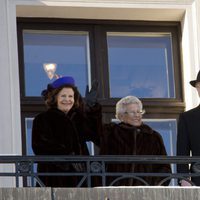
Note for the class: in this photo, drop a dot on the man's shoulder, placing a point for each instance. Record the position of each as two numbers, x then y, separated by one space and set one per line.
190 112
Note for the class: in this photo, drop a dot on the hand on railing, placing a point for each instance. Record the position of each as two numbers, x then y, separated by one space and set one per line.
185 183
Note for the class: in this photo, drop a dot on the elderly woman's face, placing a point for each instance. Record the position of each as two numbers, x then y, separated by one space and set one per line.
133 115
65 99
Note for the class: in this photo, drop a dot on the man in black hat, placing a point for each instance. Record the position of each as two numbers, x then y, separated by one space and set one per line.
188 138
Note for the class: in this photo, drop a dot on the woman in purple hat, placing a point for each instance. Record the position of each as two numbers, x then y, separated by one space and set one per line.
64 128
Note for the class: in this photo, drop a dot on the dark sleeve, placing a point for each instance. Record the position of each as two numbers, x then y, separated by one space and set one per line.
90 124
183 145
105 141
43 140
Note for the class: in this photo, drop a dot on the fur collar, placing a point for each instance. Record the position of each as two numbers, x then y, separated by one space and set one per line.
143 128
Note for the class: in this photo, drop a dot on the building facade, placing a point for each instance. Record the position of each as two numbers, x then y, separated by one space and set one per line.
174 19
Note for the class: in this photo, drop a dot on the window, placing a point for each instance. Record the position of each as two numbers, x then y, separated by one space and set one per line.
134 59
69 50
167 129
127 58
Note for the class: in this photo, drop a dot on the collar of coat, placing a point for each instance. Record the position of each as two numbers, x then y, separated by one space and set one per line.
143 128
73 111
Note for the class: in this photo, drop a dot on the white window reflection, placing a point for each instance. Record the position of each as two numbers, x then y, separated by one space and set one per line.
140 64
69 50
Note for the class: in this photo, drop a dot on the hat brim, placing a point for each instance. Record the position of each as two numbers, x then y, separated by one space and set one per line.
193 83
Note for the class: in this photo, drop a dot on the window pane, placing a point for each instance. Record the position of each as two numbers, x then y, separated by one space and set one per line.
29 151
141 65
167 128
29 123
69 50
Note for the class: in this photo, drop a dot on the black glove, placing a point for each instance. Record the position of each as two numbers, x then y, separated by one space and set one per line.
91 96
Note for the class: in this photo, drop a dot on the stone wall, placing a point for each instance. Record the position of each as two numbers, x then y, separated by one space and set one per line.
106 193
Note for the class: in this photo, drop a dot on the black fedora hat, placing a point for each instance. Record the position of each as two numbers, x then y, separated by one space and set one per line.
193 83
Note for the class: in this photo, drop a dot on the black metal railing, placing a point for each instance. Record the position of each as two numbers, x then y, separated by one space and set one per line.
24 167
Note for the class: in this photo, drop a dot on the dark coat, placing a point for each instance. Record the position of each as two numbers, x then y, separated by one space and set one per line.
124 139
57 133
188 138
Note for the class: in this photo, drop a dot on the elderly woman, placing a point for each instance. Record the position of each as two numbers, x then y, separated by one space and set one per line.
132 137
64 128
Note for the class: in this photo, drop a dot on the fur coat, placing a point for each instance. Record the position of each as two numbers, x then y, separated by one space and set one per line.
57 133
124 139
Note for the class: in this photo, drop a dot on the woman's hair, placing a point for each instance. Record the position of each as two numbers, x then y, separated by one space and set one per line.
121 106
51 100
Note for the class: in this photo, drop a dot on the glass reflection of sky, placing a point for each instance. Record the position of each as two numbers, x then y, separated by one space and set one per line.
140 66
68 51
167 129
29 122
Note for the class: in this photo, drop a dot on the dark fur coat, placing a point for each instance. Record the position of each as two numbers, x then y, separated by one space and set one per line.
124 139
57 133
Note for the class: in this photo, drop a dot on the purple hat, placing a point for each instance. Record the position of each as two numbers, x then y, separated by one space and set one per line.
193 83
65 80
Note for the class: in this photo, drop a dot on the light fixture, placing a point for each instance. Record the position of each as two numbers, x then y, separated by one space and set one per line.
50 69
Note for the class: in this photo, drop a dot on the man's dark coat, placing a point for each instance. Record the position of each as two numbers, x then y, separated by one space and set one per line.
188 138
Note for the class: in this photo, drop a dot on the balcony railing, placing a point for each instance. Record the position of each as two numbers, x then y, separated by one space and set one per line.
23 168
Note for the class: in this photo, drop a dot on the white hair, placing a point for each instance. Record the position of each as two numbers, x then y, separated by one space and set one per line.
122 104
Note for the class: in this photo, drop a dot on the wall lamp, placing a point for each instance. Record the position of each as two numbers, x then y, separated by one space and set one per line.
50 69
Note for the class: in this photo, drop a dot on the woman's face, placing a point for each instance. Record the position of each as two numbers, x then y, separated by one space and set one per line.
133 115
65 99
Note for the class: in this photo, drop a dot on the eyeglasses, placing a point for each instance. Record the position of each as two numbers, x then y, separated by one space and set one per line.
132 114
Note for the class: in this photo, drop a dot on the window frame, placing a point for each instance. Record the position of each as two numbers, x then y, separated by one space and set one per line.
163 108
